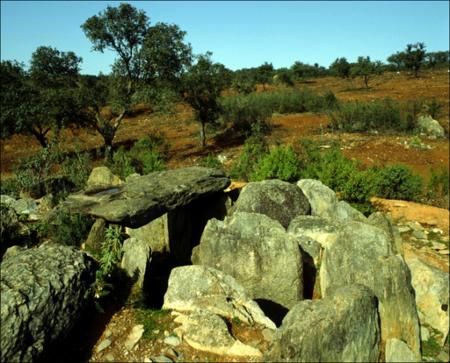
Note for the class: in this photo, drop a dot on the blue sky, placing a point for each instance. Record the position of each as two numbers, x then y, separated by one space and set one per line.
239 33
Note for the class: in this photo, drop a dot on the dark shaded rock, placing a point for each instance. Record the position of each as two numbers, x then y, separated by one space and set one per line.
341 328
258 252
277 199
96 236
44 291
147 197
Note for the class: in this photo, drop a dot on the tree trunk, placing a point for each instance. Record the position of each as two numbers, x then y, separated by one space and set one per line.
40 136
202 134
366 82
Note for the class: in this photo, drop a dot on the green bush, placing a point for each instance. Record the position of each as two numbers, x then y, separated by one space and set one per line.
368 116
77 169
210 161
254 149
437 190
67 228
146 156
398 182
281 163
122 163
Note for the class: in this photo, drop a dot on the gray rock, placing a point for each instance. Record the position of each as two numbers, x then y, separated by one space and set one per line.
424 333
147 197
431 291
193 288
324 202
398 351
134 336
277 199
103 345
6 200
96 236
208 332
155 234
136 259
44 291
258 253
172 340
419 234
343 327
101 177
430 126
383 221
323 231
363 254
161 359
25 206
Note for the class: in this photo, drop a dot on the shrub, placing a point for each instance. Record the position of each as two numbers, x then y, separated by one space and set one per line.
437 191
67 228
254 149
146 157
368 116
210 161
122 163
281 163
398 182
77 169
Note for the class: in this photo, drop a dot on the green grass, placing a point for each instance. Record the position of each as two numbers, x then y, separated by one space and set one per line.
152 319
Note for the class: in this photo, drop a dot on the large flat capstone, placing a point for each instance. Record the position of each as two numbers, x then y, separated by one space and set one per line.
144 198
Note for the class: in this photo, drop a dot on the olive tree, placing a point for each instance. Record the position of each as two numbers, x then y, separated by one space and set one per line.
202 86
42 99
366 69
414 57
341 67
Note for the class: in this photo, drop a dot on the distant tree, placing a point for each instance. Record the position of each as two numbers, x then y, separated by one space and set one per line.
414 57
244 80
43 99
398 60
202 86
302 70
284 76
264 73
341 67
366 69
437 59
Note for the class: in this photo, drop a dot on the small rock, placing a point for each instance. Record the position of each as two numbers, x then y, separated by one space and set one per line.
161 359
419 234
172 340
103 345
437 231
414 225
147 360
107 333
438 246
134 336
171 353
156 331
444 252
404 229
424 333
443 356
110 357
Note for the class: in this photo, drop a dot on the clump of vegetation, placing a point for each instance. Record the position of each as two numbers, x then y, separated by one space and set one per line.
398 182
66 228
437 190
211 161
154 321
77 168
280 163
109 257
254 149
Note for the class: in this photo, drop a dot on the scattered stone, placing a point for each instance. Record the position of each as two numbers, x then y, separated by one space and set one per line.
172 340
161 359
415 226
103 345
437 231
424 333
110 357
432 294
102 177
207 332
438 246
404 229
398 351
258 252
44 292
25 206
343 327
148 197
444 252
107 333
192 288
419 234
134 336
279 200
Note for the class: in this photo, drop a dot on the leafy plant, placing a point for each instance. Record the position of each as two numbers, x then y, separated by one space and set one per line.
122 163
146 157
398 182
281 163
153 320
254 149
210 161
77 168
67 228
